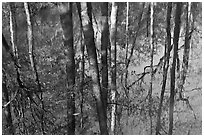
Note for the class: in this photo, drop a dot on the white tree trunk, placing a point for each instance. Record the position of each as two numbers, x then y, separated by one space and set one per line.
113 84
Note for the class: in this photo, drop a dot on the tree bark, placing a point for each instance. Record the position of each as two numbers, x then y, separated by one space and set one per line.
126 60
126 36
29 34
186 51
67 26
175 55
82 65
165 66
104 53
13 28
82 80
151 64
86 14
33 63
113 31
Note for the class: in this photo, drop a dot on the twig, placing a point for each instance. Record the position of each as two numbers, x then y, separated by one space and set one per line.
188 105
10 100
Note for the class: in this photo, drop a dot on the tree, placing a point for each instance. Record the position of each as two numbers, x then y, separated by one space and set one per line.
127 62
113 31
86 15
6 95
126 31
186 51
67 26
126 57
165 66
152 59
104 55
175 56
82 49
13 28
105 71
29 34
33 63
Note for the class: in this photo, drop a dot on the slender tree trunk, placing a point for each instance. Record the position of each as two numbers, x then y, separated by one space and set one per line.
33 63
13 28
126 36
126 61
136 35
82 80
86 14
13 31
82 65
104 51
186 51
151 64
131 53
175 55
67 26
165 67
29 33
113 31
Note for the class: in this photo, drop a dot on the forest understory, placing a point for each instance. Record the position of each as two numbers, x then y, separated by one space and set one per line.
109 68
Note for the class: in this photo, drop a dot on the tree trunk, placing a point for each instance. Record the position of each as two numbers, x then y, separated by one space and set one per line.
104 51
126 61
165 67
82 66
67 26
113 30
126 89
126 39
82 80
13 31
175 56
33 63
29 34
151 64
186 51
86 14
13 28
